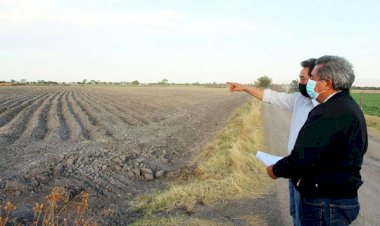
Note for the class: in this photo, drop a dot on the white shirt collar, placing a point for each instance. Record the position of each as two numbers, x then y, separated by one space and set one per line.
332 95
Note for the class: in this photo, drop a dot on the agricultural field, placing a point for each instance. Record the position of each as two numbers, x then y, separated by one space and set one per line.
369 101
114 143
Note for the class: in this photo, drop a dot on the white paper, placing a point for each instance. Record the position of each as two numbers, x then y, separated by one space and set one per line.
267 159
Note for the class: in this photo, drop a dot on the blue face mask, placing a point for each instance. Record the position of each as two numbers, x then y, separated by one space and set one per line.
310 89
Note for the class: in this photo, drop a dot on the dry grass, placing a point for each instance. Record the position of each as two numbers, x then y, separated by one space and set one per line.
56 210
7 210
6 84
179 221
188 221
225 170
373 122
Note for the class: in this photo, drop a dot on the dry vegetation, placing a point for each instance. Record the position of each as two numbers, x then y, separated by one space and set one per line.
225 170
58 209
113 143
373 121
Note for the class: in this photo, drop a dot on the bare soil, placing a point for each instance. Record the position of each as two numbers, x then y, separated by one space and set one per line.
114 143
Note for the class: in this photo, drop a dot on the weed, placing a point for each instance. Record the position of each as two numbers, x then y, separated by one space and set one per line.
56 210
7 209
225 170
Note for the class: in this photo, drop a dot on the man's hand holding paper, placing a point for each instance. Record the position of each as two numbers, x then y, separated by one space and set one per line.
267 159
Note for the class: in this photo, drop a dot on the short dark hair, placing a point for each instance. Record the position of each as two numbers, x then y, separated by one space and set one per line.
310 63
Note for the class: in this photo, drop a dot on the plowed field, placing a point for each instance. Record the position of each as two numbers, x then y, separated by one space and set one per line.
114 143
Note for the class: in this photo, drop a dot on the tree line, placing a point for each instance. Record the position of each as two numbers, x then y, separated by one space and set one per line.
261 82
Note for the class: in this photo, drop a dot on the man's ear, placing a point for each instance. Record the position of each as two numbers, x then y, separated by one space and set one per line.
330 84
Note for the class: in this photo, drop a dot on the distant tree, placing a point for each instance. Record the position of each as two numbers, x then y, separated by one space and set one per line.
135 83
23 81
13 81
165 81
293 86
263 82
51 83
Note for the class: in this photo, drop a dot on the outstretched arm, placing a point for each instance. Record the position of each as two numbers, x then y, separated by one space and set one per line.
258 93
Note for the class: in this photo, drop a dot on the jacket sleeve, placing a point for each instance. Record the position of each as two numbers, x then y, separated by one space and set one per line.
313 142
284 100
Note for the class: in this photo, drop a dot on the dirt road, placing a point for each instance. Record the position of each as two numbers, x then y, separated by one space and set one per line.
277 124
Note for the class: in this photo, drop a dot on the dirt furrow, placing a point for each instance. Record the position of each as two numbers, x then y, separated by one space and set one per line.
124 116
20 125
85 111
104 121
136 118
146 112
7 101
76 126
27 135
72 108
112 121
52 121
130 160
40 125
63 129
21 100
100 129
13 112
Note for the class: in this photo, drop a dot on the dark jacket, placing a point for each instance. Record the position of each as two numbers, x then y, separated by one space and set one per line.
328 154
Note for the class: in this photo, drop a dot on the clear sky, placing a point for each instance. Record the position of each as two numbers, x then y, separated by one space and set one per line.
184 40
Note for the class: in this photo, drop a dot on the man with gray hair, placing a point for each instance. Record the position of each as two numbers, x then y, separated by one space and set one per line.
325 162
299 104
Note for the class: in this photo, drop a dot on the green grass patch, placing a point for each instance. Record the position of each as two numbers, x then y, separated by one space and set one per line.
369 102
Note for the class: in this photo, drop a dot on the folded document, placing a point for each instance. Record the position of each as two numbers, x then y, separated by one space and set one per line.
267 159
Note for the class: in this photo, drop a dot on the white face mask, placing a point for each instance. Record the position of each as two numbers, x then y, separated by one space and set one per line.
310 89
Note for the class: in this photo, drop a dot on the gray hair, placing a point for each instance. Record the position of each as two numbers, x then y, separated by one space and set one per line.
338 70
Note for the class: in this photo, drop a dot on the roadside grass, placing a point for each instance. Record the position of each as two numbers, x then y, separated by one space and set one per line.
188 221
161 221
225 170
369 102
373 121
